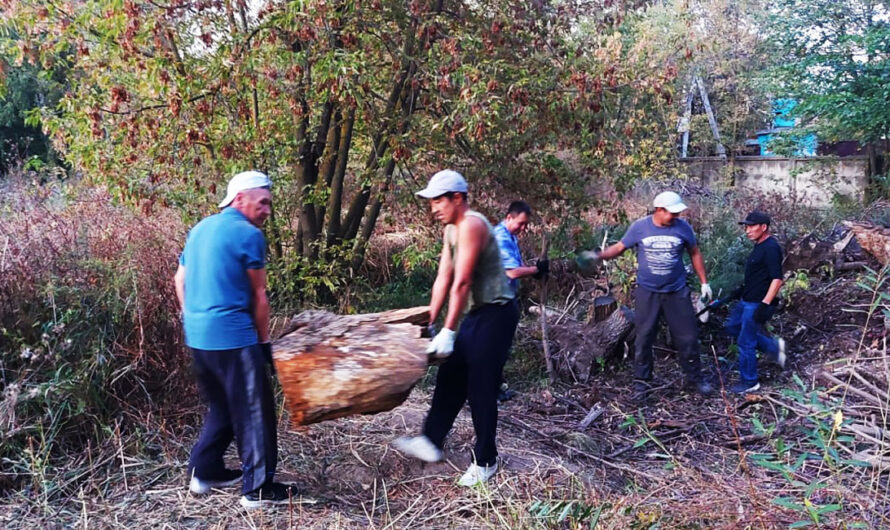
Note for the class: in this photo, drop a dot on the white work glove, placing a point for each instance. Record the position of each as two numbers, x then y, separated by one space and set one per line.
706 292
442 344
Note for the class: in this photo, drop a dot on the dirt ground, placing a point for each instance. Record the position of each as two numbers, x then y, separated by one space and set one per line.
681 462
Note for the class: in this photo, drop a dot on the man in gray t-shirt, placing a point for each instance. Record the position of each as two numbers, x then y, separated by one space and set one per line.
660 240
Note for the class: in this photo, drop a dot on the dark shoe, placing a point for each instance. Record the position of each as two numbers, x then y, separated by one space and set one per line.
505 393
228 477
702 388
270 494
641 391
744 388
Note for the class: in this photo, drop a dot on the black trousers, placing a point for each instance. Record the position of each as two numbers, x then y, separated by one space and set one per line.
473 372
676 307
238 393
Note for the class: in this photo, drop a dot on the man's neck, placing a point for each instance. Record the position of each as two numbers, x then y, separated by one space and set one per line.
461 214
660 225
764 237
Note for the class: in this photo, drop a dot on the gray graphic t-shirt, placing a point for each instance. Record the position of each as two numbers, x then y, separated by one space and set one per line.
660 253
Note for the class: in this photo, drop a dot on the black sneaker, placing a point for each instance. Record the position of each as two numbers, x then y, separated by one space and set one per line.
744 388
228 477
270 494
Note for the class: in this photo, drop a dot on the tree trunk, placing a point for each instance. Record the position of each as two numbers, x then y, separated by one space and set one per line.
332 366
335 200
577 346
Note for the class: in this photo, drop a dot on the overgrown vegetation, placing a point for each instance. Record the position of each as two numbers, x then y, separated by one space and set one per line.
89 327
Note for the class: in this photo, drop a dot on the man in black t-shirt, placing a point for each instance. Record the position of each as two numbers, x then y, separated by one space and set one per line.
757 303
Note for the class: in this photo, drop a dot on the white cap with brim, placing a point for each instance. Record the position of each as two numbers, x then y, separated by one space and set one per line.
670 201
244 181
445 181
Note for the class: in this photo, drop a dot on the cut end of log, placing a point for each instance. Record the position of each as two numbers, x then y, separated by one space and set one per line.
332 366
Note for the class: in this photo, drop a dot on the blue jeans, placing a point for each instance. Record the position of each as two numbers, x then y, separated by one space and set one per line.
750 337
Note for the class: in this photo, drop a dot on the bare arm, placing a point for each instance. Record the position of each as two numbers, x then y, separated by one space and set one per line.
179 282
773 291
259 303
443 280
521 272
472 235
698 264
613 251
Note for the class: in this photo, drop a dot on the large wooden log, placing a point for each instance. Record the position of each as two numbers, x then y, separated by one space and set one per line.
332 366
873 238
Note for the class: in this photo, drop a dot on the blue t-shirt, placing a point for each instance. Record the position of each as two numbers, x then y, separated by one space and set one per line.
660 253
218 252
508 246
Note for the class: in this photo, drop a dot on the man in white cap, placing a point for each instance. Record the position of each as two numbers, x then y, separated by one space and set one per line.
221 286
660 240
470 276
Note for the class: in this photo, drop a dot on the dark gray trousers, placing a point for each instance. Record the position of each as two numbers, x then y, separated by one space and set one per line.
236 387
676 307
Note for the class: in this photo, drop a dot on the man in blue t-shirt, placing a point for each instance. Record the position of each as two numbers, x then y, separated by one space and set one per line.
757 303
221 286
507 233
660 241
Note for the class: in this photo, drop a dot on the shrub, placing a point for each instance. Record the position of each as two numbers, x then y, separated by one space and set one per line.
89 326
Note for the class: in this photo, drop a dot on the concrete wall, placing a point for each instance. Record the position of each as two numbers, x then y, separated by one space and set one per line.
812 180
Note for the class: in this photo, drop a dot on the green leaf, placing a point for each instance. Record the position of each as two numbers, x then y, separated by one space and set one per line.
565 511
800 524
788 502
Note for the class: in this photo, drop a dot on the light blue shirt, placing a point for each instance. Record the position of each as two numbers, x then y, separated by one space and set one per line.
218 253
511 258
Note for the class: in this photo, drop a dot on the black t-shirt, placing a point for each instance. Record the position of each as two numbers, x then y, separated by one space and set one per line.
763 266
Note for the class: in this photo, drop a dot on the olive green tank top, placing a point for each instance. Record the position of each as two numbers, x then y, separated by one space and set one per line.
490 283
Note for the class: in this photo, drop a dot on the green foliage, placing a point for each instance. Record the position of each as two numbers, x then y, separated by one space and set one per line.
832 58
822 444
571 512
22 89
342 101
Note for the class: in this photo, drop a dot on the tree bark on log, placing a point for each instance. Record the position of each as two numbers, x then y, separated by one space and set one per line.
873 238
579 345
332 366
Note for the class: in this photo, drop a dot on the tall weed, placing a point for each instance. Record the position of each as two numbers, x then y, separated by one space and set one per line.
89 327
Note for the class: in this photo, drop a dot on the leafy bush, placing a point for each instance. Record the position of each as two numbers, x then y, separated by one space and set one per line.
89 325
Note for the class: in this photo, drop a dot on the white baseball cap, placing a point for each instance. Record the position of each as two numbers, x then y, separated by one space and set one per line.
670 201
443 182
244 181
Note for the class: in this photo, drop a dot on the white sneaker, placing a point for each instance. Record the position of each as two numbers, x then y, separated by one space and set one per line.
780 359
477 474
420 447
229 477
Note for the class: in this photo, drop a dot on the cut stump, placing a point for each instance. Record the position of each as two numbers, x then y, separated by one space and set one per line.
579 346
873 238
332 366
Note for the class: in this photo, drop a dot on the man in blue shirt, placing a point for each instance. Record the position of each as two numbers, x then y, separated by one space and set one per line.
506 233
660 240
221 286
